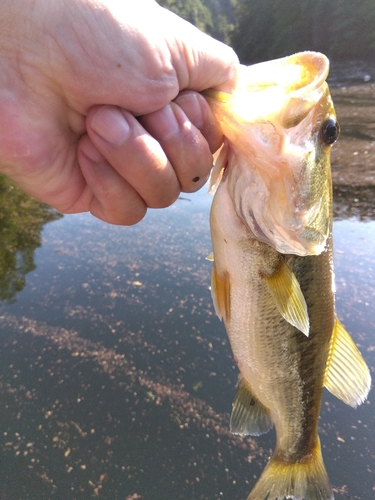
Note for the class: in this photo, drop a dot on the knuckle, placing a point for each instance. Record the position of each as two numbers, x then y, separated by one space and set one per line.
166 199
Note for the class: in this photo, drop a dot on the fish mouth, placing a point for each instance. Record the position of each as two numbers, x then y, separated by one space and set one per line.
289 87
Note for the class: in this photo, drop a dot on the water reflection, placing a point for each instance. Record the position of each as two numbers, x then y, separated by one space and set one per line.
122 399
21 222
117 378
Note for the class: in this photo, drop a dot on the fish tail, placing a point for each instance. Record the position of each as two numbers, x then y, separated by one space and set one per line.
305 480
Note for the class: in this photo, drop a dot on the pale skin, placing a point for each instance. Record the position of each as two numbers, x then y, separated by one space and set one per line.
100 104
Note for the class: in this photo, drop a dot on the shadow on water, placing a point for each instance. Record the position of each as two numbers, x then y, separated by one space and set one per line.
116 376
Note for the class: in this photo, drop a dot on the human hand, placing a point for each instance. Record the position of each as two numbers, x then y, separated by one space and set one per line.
94 112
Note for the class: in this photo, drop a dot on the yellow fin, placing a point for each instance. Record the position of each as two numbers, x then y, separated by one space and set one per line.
210 257
306 479
218 170
347 375
220 290
249 416
288 296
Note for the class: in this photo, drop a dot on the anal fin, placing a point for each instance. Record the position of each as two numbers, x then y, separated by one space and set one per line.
347 375
249 416
288 297
220 290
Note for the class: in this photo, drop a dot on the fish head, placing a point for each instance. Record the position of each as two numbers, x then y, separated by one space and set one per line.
279 124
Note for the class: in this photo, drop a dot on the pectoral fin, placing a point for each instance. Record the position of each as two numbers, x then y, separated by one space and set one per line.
210 257
347 375
249 416
220 290
288 296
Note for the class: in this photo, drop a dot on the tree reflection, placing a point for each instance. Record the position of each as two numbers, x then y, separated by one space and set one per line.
21 221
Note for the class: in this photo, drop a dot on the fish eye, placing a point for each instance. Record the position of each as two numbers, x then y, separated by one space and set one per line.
330 131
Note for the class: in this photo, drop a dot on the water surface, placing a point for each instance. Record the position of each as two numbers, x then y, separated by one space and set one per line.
116 376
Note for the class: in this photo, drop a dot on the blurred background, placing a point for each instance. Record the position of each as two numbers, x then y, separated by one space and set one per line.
267 29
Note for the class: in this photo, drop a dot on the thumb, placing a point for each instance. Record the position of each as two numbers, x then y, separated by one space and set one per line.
200 61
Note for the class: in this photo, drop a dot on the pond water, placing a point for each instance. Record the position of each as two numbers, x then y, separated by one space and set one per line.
117 378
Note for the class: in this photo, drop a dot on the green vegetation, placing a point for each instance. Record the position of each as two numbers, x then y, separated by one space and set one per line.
21 221
193 11
274 28
266 29
214 17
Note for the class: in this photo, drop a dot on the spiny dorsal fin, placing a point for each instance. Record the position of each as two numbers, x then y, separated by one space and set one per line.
347 375
249 416
220 291
288 296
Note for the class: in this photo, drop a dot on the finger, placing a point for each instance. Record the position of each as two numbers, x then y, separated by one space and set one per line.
134 154
201 116
113 199
183 143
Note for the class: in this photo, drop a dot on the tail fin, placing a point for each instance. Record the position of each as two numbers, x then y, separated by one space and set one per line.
307 480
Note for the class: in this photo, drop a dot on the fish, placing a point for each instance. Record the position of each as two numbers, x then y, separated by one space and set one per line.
272 273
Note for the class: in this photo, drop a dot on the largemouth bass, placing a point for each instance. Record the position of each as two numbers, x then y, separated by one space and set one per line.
272 278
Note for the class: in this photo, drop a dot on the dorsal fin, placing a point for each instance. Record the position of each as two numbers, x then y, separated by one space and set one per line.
347 375
249 416
288 296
